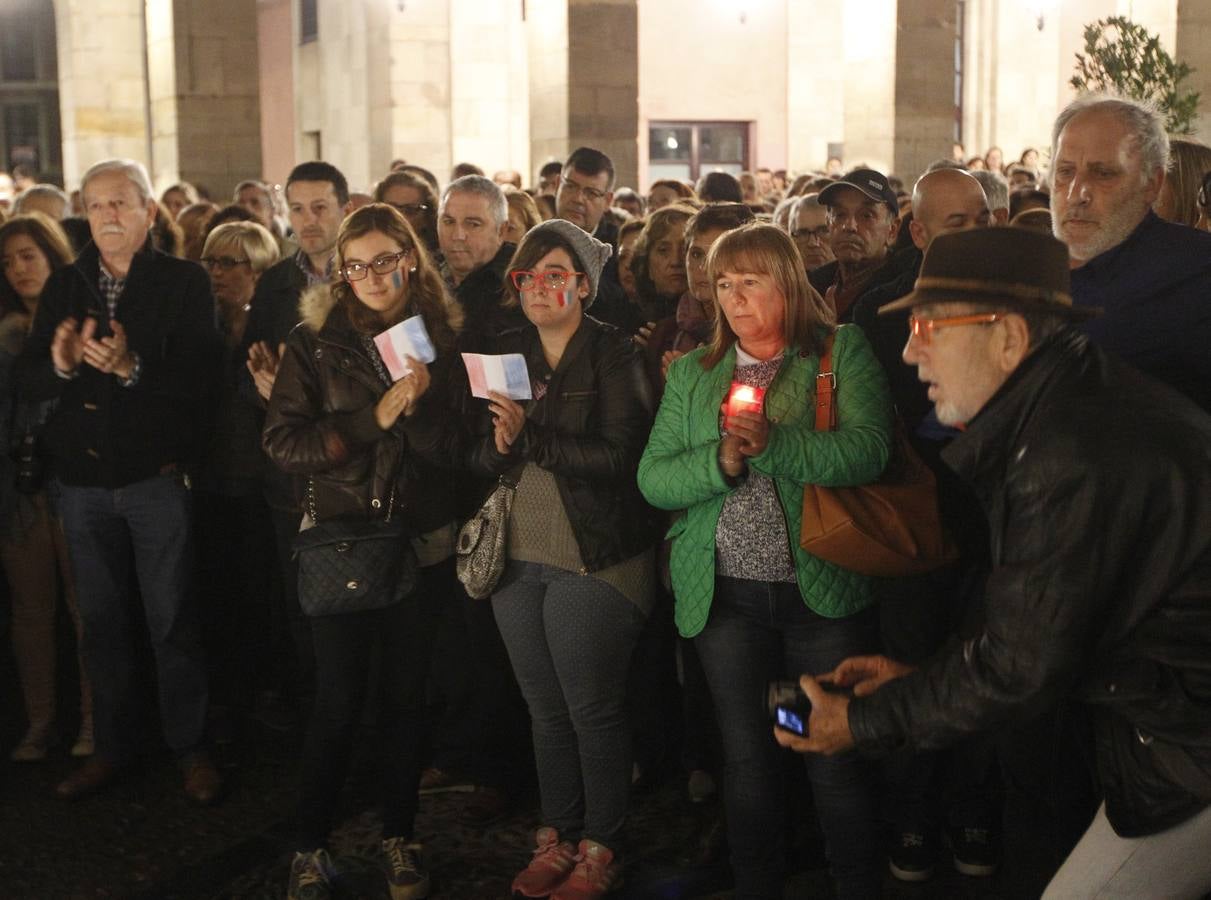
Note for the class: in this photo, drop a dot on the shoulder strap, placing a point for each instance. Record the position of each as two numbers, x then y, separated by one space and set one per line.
826 386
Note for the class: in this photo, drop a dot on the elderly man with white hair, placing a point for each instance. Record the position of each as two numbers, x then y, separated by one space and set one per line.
1152 278
125 340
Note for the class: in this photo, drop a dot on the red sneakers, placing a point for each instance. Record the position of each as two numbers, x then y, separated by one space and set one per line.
595 875
549 867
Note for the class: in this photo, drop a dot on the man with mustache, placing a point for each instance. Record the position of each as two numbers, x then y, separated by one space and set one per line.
1152 278
125 340
863 221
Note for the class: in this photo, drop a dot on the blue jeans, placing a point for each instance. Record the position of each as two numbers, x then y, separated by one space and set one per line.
759 632
150 522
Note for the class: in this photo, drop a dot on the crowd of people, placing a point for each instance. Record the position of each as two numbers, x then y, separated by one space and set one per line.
196 397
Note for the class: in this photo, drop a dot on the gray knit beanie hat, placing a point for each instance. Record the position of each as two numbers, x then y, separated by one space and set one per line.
591 252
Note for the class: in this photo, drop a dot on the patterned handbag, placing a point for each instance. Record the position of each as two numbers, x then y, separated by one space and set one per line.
480 554
352 565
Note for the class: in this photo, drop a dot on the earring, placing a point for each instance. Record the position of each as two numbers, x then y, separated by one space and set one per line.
413 269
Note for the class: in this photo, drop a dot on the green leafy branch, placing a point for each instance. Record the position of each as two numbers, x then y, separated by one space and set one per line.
1125 58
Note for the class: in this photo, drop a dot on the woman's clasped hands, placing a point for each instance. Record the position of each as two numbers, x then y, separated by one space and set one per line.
747 435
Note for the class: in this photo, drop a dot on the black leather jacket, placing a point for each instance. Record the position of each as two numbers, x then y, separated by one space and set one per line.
589 430
103 434
321 426
1096 481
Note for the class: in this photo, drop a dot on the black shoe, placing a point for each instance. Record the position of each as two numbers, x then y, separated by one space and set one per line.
913 855
975 850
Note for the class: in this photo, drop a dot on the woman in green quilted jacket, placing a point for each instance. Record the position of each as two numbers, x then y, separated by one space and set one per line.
758 607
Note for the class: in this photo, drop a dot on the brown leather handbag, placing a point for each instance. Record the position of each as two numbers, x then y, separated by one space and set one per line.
888 528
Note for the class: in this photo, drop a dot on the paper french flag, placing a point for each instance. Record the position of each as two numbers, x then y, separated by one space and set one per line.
407 338
505 374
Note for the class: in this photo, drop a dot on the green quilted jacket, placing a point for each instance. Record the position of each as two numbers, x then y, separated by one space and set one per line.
679 469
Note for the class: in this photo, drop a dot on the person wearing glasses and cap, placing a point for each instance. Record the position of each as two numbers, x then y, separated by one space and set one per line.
578 584
1096 480
338 420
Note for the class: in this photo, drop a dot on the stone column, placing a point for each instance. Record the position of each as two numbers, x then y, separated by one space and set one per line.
1194 49
925 85
275 60
584 80
815 83
419 83
103 107
204 90
868 40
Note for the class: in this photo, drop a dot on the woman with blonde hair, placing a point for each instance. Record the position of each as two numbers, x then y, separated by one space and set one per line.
338 420
523 215
1189 163
232 531
176 197
758 607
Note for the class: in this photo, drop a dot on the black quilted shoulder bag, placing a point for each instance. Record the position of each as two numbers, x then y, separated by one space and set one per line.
353 565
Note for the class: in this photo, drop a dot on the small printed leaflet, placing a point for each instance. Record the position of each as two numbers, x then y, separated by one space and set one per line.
506 375
408 338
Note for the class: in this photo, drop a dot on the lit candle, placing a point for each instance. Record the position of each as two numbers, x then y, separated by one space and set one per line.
742 397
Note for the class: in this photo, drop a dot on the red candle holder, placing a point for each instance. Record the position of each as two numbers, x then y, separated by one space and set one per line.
742 398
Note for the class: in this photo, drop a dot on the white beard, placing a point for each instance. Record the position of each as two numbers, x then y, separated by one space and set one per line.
1114 229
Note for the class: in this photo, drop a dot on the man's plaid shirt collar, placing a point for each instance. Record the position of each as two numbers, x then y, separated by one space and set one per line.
304 263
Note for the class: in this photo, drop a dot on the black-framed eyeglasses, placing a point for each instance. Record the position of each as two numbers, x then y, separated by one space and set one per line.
552 279
222 263
411 209
576 190
382 265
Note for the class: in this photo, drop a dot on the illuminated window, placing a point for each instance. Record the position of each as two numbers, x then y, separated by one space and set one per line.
687 150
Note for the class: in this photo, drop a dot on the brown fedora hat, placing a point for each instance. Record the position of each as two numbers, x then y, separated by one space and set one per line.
1003 266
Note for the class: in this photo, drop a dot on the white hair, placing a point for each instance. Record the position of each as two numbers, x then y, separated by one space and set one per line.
498 206
996 188
134 171
1141 118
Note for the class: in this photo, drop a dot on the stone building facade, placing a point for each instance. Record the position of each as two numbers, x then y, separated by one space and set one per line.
214 91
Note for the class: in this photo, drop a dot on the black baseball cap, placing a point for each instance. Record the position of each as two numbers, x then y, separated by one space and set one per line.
871 183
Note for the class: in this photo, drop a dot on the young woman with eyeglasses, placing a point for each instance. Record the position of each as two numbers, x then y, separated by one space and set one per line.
338 420
578 584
